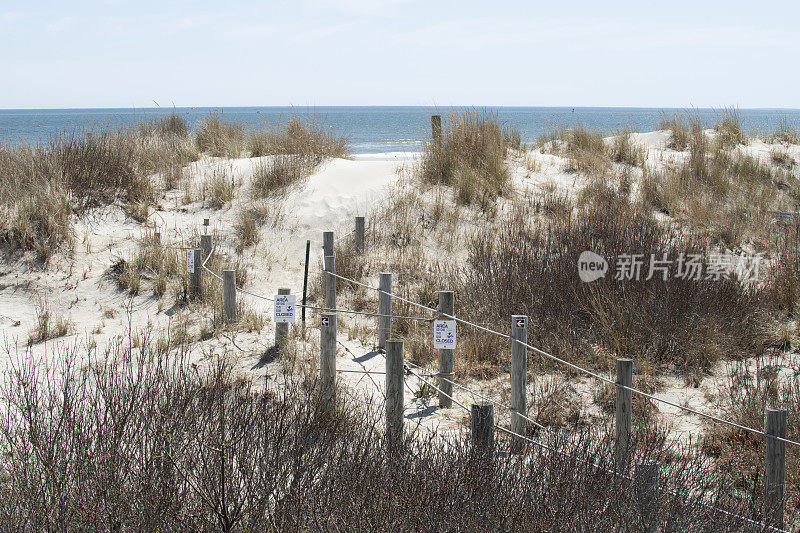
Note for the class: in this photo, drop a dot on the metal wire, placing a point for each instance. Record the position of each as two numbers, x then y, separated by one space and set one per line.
578 368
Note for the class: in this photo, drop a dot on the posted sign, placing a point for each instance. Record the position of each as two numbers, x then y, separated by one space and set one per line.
444 334
190 261
285 308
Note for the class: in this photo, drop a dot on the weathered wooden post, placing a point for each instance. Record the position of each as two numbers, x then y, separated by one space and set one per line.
436 128
447 306
327 363
157 238
281 328
519 379
360 235
482 428
775 467
206 244
394 390
384 308
646 482
195 270
229 295
329 281
624 410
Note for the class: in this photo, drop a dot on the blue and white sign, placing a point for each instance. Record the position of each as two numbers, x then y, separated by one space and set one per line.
444 334
285 307
190 261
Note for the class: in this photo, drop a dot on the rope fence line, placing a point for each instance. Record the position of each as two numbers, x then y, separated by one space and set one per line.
481 396
576 367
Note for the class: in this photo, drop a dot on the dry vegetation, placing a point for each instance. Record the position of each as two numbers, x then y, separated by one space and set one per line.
139 441
471 157
41 186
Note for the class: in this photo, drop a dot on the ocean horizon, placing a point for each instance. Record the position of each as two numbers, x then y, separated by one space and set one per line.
378 129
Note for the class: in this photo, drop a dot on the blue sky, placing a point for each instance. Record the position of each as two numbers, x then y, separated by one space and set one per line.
119 53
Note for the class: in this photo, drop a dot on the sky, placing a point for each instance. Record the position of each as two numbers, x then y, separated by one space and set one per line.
119 53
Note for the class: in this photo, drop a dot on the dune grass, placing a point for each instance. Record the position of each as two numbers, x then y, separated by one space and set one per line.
471 157
41 186
220 138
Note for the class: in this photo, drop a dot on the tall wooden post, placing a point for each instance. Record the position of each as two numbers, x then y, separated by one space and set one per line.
384 308
447 306
646 483
775 467
482 428
360 235
205 245
436 128
196 275
519 379
281 328
229 295
394 390
305 282
624 410
327 363
329 281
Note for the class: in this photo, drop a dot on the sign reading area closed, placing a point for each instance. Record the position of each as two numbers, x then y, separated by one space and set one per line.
285 307
444 334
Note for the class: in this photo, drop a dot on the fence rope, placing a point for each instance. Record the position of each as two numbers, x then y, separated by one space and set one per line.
462 387
576 367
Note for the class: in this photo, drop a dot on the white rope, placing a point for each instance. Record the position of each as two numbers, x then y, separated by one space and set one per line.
579 369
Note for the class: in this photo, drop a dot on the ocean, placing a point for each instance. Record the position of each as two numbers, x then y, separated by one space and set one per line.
376 129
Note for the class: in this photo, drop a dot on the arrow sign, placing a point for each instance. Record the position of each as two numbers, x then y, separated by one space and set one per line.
520 322
325 321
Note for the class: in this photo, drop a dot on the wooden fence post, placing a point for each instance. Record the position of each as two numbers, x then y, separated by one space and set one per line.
329 281
623 412
281 328
394 390
519 379
205 245
436 128
775 467
360 235
482 428
229 295
196 275
157 238
384 309
447 306
327 366
646 483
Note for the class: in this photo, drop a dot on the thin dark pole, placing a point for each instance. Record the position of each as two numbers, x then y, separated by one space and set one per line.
305 282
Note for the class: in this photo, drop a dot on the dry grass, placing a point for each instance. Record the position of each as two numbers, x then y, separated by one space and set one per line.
49 325
471 157
727 195
220 138
246 229
219 188
729 129
309 139
41 186
678 127
275 176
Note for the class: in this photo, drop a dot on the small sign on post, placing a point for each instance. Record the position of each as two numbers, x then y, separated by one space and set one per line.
190 261
520 321
444 334
285 305
325 321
